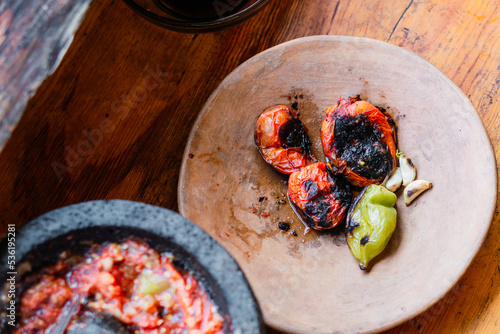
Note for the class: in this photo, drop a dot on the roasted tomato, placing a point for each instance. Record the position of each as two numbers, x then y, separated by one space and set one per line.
360 141
282 140
321 198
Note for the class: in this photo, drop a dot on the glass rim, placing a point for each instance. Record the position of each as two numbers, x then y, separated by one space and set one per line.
187 25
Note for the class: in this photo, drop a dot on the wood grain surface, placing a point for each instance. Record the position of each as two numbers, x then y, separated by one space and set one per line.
113 120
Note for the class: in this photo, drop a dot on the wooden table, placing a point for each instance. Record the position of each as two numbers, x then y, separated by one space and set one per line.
113 120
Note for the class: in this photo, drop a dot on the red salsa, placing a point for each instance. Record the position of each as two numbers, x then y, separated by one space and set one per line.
129 281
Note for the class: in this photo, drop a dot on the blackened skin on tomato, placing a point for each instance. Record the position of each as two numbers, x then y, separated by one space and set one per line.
318 207
342 189
318 204
360 146
293 134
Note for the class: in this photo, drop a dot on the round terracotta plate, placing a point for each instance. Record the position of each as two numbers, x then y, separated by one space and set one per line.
311 283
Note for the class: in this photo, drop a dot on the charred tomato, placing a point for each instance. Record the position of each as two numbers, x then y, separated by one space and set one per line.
282 140
359 139
321 197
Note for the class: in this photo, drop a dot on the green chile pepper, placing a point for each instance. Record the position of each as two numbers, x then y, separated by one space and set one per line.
370 223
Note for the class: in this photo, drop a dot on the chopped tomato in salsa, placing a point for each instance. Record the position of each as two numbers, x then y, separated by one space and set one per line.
130 281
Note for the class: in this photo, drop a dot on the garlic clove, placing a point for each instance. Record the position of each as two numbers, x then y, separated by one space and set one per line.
414 189
408 170
395 180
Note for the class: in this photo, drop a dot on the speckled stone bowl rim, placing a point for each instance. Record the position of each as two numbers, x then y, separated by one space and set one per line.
138 219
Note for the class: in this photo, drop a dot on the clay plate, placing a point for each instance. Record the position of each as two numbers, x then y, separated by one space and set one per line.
311 283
